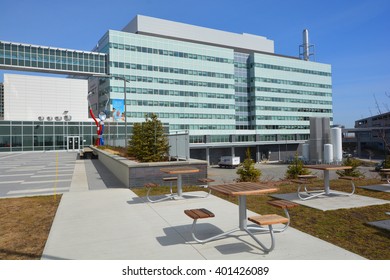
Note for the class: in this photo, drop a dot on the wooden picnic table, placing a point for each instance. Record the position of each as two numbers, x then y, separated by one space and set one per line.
242 190
179 171
326 168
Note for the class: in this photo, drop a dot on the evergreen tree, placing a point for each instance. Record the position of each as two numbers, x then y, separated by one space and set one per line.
247 170
296 168
149 142
354 172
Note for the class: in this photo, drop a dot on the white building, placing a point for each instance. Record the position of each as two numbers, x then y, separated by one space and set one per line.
31 98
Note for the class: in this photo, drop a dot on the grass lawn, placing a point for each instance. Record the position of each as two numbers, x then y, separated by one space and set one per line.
25 222
345 228
24 226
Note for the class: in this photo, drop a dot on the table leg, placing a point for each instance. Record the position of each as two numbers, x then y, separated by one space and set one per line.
242 216
179 185
326 182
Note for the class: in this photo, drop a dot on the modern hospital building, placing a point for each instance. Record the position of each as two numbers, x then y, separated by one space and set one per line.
228 91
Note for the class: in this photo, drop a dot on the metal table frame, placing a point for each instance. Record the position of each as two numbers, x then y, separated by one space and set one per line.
242 190
327 190
179 171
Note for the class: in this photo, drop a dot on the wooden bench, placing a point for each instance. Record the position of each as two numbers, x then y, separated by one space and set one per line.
205 185
201 213
303 181
170 180
385 176
196 214
299 181
285 205
151 186
268 220
205 180
350 178
307 177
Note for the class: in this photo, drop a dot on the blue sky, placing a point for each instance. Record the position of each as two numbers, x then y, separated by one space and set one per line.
352 36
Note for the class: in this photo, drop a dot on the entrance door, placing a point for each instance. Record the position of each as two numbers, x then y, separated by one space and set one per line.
73 143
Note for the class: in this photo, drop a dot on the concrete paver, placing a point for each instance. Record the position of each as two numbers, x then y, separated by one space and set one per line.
333 201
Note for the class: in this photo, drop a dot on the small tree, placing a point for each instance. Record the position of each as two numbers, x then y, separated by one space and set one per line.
386 163
149 142
296 168
247 170
353 172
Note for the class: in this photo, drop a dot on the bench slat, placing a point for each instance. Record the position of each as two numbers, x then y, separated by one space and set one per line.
307 176
299 181
205 180
201 213
150 185
282 203
270 219
168 179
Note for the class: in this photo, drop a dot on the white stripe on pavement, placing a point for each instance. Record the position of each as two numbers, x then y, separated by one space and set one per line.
37 190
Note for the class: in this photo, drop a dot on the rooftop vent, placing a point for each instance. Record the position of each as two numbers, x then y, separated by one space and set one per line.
306 50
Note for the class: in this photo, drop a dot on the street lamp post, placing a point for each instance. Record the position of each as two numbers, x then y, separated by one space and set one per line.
125 98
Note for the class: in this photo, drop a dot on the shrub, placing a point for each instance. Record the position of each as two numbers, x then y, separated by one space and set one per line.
296 168
386 163
247 170
351 172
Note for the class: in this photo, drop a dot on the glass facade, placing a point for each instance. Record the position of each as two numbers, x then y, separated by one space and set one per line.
218 94
242 98
285 93
46 59
46 136
190 86
1 101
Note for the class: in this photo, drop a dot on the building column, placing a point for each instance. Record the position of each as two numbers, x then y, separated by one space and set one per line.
358 145
258 155
208 156
233 152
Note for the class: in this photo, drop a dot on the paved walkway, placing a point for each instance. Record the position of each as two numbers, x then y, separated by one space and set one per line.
106 221
36 173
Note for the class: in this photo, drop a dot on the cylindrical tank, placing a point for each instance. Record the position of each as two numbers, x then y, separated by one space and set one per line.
328 153
315 141
337 143
326 130
305 152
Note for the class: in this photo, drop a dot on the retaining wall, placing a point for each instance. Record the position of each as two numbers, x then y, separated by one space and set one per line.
134 174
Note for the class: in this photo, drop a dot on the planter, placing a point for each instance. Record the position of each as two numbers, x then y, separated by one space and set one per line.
134 174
